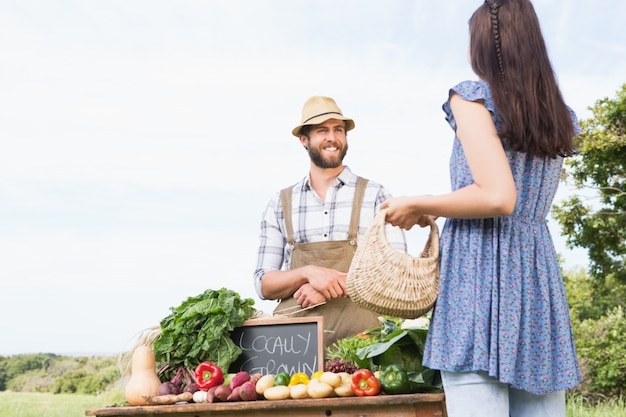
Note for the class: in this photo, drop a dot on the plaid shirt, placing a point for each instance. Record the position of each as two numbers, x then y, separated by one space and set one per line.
317 221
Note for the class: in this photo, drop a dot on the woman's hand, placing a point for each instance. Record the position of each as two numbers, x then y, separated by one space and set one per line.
404 212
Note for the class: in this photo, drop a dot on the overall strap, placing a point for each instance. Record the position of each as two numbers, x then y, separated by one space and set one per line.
353 230
285 199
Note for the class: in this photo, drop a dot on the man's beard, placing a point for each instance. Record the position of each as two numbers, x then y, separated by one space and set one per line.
316 157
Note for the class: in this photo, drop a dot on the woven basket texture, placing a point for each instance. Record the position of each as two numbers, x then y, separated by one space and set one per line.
393 283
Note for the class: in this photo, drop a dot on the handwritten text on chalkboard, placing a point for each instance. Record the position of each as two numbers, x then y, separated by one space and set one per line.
271 346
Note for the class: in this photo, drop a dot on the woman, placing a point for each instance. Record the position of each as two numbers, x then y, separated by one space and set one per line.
501 333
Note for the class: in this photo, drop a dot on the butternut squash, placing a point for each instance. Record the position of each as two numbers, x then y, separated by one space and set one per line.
144 381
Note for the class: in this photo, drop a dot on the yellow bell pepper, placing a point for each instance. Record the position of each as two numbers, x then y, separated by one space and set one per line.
317 375
299 378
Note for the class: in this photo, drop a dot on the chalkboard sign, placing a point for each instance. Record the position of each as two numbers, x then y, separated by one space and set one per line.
275 345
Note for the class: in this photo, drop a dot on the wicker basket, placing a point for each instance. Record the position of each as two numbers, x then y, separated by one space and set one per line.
393 283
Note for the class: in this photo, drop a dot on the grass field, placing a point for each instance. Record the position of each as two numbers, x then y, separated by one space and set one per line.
615 407
18 404
29 404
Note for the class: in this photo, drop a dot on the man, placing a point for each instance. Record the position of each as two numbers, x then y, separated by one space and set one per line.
310 230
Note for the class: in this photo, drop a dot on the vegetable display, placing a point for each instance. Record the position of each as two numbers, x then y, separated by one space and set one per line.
194 350
243 386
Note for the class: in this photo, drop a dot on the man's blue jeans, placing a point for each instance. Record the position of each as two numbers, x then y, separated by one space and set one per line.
479 395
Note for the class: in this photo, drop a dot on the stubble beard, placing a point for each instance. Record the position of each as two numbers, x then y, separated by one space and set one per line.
318 160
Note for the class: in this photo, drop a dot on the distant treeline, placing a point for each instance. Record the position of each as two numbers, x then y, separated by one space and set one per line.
48 372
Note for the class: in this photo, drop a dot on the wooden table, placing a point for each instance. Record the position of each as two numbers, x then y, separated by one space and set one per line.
406 405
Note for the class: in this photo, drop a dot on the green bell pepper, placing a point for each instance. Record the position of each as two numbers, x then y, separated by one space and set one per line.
282 378
395 380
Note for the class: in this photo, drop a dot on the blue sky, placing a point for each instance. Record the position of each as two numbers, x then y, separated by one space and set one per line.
142 139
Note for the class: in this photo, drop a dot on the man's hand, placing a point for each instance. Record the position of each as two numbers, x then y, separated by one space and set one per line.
307 296
328 282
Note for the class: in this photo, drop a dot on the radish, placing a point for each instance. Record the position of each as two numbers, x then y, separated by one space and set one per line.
247 391
238 379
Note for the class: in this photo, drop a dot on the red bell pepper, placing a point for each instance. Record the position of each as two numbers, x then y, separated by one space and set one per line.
208 375
365 383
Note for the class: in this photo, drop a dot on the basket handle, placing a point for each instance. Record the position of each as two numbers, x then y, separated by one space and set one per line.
432 244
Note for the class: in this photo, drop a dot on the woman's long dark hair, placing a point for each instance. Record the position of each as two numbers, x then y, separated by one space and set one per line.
507 50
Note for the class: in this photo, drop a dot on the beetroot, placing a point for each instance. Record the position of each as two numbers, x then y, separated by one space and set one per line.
167 388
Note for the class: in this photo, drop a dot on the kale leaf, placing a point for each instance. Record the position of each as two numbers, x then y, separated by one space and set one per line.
199 329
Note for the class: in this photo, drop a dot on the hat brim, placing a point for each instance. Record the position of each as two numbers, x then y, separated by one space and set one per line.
321 119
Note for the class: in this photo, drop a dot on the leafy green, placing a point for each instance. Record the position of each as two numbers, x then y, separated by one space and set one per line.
347 347
199 329
404 347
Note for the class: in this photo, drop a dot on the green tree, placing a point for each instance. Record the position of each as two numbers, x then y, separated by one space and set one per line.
3 373
58 374
600 333
601 346
587 300
600 167
18 364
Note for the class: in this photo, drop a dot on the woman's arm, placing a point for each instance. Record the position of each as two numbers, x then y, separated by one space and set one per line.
493 192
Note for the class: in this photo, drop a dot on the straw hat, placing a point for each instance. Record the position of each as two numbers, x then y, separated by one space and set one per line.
317 110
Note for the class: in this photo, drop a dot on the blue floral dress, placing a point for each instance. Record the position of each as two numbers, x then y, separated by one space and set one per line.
502 307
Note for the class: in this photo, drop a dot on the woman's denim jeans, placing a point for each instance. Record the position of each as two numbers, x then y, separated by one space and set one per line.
479 395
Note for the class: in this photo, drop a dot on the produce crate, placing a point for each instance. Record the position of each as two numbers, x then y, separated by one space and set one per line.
405 405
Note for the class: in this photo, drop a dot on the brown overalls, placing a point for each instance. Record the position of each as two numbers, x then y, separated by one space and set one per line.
342 318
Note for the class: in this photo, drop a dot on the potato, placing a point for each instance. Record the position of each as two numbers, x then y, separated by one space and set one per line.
346 378
278 392
344 390
320 390
265 382
299 391
331 378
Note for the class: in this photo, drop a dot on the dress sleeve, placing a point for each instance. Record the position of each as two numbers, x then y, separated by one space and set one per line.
470 91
